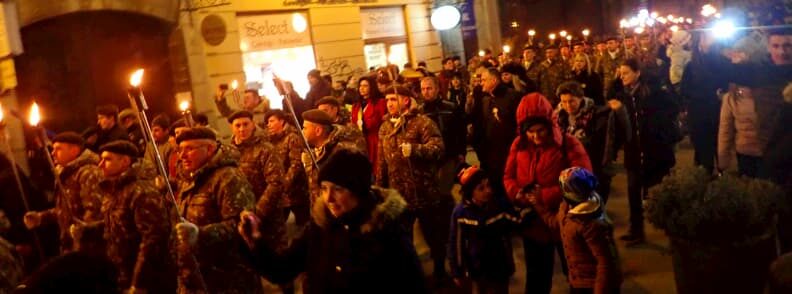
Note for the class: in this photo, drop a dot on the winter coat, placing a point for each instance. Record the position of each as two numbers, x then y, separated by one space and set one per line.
679 60
137 227
600 130
11 269
263 168
587 237
479 241
652 112
533 70
554 72
529 164
79 198
316 93
739 128
289 147
212 198
341 137
450 121
367 116
365 251
592 85
415 177
259 111
494 127
457 96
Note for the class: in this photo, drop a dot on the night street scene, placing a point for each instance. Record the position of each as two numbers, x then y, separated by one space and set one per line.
396 146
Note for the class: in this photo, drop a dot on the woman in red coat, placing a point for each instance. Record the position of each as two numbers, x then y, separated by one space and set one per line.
536 159
367 114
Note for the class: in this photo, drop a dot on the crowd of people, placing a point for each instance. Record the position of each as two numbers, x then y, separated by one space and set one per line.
358 163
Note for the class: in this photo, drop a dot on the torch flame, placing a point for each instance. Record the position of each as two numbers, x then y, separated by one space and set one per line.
531 33
1 112
136 78
563 34
184 105
234 84
35 116
586 32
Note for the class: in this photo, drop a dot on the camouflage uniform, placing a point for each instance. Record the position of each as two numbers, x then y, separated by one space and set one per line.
79 198
11 271
553 74
343 117
212 198
289 147
340 137
533 70
415 177
263 167
607 67
137 227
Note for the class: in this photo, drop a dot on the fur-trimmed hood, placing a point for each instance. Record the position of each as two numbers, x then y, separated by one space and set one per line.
388 209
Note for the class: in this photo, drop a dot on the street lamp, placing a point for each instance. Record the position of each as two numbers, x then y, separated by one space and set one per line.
445 17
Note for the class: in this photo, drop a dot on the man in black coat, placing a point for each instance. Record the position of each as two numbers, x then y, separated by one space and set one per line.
107 128
494 126
355 242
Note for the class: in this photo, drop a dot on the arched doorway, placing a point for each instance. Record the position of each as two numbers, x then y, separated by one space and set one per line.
77 61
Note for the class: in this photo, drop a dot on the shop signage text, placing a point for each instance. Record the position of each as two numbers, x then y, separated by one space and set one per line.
382 22
324 2
269 32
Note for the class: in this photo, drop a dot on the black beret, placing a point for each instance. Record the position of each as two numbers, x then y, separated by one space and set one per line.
400 90
161 120
240 114
328 100
181 123
612 37
121 147
107 110
318 117
69 138
196 133
531 47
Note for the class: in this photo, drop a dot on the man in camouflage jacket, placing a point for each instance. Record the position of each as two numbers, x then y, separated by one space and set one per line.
289 147
325 138
263 167
411 149
77 197
210 200
554 72
137 222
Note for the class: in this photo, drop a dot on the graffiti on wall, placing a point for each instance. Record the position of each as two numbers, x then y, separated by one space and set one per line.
340 68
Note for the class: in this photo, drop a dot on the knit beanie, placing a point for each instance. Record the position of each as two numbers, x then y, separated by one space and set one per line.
577 184
469 177
349 169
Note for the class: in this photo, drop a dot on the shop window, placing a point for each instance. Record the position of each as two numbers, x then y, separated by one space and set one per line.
385 36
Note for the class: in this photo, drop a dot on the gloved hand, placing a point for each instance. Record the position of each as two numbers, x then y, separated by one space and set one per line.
32 219
406 149
248 227
186 234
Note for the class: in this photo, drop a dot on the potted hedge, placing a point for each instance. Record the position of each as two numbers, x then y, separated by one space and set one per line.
722 229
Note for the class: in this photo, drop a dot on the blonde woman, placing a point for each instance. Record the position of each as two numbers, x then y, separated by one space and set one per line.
583 73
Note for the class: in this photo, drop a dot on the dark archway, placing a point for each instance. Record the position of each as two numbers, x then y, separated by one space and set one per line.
75 62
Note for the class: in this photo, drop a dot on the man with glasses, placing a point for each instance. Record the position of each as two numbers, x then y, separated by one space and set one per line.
210 197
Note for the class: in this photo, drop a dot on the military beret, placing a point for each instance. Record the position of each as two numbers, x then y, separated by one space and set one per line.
328 100
127 112
161 120
69 138
196 133
240 114
181 123
107 110
400 90
121 147
578 43
612 37
531 47
318 117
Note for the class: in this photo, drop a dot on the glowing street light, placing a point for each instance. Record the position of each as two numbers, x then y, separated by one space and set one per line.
723 29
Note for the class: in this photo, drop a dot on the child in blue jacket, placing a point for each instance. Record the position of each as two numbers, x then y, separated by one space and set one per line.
480 250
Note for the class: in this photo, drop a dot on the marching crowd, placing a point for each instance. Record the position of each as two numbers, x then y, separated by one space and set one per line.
359 162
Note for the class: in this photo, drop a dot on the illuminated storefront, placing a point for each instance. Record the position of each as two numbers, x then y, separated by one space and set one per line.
385 36
276 45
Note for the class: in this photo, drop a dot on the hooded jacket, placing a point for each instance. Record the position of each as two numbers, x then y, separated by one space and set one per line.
137 226
367 250
587 237
530 165
79 197
212 198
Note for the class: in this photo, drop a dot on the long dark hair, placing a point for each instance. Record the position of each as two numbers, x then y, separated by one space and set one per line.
374 91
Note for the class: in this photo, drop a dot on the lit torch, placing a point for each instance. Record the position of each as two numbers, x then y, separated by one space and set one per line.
138 102
234 86
184 106
531 34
